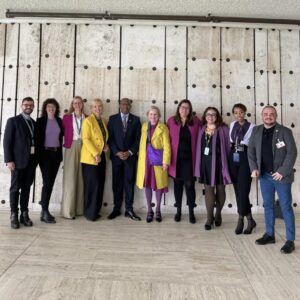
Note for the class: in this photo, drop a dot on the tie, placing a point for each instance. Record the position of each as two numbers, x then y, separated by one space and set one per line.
124 123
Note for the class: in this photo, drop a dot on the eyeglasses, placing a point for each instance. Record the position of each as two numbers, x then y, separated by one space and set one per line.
184 107
211 115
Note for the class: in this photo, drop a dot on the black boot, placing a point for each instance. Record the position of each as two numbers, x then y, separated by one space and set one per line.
251 224
47 217
14 220
25 220
240 225
191 214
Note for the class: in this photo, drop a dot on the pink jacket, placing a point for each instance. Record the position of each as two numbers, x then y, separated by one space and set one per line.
67 123
174 130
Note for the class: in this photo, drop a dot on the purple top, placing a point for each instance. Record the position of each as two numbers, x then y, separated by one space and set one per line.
52 134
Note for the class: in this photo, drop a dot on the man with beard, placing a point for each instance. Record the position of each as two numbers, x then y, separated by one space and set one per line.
272 154
20 158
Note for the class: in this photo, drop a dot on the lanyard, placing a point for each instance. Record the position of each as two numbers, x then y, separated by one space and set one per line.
30 127
80 124
207 139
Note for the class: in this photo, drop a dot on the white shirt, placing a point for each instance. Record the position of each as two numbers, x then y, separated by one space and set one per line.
245 140
77 126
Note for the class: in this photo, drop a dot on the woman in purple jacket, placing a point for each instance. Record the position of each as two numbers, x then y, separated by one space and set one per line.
183 128
72 201
211 166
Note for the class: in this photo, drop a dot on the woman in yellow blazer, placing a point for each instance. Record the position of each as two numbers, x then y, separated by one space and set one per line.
150 175
94 146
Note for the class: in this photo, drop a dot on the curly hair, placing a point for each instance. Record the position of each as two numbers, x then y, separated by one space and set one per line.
50 101
219 119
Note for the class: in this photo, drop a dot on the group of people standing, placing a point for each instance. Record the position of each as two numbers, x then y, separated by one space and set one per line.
186 148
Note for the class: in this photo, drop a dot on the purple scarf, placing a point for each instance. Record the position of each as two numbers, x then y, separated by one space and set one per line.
223 133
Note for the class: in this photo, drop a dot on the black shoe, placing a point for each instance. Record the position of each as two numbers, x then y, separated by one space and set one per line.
192 218
47 217
114 214
177 217
251 225
149 218
158 216
25 220
240 225
288 247
14 221
218 221
208 225
265 239
131 214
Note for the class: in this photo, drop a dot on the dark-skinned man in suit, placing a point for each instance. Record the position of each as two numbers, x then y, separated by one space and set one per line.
124 136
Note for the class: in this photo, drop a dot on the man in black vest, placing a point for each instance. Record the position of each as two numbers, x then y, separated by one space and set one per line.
20 158
124 137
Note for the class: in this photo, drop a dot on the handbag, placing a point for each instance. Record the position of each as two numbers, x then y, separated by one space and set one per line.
155 155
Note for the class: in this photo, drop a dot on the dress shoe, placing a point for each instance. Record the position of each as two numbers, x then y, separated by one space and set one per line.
218 221
14 221
208 225
265 239
192 218
25 220
250 227
47 217
114 214
288 247
177 217
131 214
240 225
158 216
149 218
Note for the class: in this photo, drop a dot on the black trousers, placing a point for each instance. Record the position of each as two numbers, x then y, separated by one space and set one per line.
93 181
21 179
123 180
241 179
189 190
49 165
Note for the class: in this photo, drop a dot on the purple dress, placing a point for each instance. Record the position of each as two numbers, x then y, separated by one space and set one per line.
150 181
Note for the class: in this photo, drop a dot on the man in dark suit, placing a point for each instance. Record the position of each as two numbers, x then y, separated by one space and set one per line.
272 154
20 158
124 137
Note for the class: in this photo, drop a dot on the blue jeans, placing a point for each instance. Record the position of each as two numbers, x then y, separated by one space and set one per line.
268 187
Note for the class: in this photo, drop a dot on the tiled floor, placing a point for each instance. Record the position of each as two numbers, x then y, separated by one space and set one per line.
124 259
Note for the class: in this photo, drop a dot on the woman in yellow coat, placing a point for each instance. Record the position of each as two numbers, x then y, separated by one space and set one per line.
153 162
94 146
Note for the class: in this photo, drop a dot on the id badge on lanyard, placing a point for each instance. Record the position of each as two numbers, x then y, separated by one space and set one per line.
206 151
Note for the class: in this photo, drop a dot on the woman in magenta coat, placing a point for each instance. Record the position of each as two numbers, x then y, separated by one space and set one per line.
72 200
183 128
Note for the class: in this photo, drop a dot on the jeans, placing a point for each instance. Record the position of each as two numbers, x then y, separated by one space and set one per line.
268 187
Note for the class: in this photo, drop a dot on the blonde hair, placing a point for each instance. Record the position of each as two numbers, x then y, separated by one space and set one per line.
71 108
96 101
153 107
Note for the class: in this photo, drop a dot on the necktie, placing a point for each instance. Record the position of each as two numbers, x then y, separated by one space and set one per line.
124 123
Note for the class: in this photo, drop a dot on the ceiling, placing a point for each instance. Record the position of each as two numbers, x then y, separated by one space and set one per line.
287 9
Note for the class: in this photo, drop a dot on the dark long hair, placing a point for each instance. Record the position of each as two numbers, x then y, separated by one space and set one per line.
219 119
50 101
190 117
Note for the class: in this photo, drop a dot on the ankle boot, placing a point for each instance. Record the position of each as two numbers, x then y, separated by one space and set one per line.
25 220
191 214
47 217
14 220
240 225
177 217
251 224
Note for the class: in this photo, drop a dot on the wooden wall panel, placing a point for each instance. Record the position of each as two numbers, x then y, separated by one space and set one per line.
175 68
29 54
57 63
142 64
261 71
204 67
9 98
290 78
97 64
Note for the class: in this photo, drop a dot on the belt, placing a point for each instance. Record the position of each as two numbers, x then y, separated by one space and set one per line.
54 149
